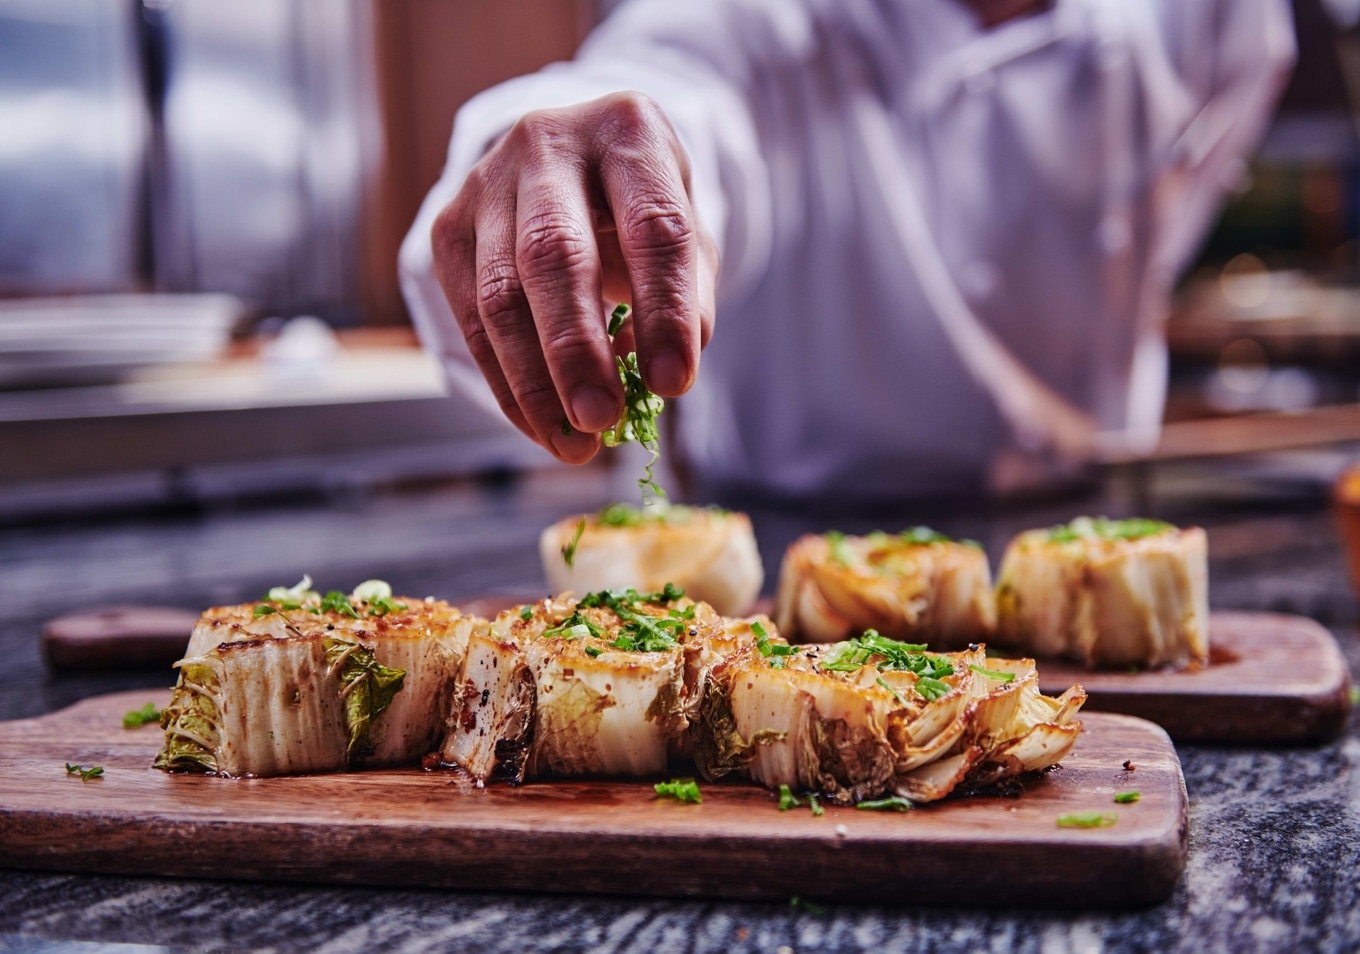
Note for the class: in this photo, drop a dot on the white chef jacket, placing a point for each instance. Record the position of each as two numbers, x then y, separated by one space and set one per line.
918 218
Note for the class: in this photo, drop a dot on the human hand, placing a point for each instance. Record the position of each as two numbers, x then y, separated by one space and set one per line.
572 210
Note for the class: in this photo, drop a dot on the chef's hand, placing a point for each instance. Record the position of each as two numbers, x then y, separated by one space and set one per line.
573 210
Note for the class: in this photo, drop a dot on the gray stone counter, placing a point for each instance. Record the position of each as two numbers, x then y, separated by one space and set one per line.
1274 834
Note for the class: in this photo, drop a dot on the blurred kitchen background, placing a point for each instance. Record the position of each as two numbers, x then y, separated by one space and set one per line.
201 205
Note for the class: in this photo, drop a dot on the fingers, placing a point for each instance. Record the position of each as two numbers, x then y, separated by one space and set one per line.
454 242
558 263
569 205
644 184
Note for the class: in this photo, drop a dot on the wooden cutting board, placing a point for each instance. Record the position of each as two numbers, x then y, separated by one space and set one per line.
1271 679
412 827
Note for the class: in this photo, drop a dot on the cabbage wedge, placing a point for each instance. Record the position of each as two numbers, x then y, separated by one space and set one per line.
1107 593
595 686
709 553
917 585
873 716
303 683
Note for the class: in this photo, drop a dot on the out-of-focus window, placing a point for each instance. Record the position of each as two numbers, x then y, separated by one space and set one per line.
72 145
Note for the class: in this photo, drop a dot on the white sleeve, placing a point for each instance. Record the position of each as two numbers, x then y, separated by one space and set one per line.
697 60
1234 57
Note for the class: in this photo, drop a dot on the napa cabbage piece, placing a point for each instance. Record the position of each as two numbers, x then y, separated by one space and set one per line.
1107 593
312 686
871 717
711 554
606 684
917 585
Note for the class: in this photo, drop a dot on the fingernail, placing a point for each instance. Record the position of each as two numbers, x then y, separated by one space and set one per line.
667 373
573 447
594 408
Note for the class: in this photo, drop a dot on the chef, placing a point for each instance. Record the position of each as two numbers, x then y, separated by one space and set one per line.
933 240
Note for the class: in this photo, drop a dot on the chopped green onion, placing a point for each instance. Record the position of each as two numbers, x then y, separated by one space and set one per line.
895 803
1127 798
895 694
526 612
994 674
1087 820
680 789
264 609
140 717
840 553
296 595
370 590
617 317
382 605
787 799
817 809
593 651
804 905
337 602
94 771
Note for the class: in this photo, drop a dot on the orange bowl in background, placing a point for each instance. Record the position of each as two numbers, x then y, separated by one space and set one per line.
1347 499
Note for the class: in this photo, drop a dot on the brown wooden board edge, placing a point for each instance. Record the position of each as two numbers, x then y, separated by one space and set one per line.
1115 869
1248 714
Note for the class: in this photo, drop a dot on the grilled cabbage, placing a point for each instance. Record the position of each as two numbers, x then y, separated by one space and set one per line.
711 554
304 683
1107 593
917 585
872 716
603 685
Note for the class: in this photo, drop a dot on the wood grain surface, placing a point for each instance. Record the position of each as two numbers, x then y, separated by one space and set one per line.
1271 679
413 827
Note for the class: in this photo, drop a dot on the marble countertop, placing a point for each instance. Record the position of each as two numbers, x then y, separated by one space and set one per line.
1274 858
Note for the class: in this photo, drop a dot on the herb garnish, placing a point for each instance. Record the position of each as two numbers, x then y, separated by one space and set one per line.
817 810
892 656
1087 820
526 612
993 674
641 407
94 771
337 602
569 549
840 552
802 904
680 789
895 803
1127 798
1103 528
787 799
140 717
768 649
640 632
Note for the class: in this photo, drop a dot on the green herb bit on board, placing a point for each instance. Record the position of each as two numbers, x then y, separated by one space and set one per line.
787 799
94 771
1127 798
994 674
803 904
1087 820
680 789
139 717
895 803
